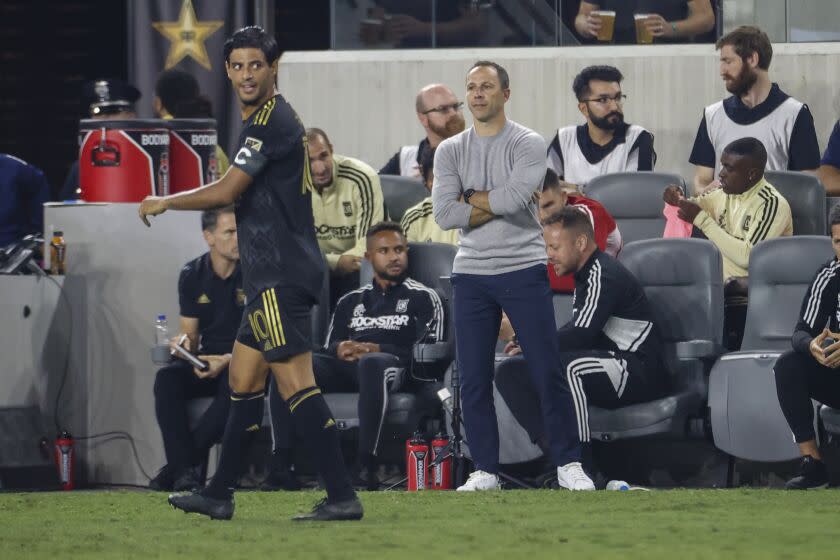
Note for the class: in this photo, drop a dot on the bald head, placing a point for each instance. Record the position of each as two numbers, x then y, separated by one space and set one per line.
428 95
440 113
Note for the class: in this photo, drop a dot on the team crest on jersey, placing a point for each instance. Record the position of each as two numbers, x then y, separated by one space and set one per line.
240 296
359 310
402 305
253 143
348 209
747 223
202 299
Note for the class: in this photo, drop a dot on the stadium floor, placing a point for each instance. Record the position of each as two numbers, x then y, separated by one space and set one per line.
671 524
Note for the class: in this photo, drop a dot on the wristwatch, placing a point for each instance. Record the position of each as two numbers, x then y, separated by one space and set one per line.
467 194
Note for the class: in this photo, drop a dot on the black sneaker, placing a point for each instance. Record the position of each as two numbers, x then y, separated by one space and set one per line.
812 475
193 502
186 481
163 480
324 510
280 479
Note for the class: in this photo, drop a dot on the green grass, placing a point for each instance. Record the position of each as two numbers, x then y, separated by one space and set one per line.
678 524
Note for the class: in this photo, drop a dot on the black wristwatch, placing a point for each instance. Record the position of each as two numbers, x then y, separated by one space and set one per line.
467 194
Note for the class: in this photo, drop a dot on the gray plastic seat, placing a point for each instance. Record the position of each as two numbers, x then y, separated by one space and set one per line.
682 279
634 199
806 197
747 421
400 194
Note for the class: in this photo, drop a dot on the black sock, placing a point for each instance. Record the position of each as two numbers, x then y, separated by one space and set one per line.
281 459
246 411
313 420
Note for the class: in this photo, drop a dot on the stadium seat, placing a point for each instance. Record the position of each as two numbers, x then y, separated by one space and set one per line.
747 421
634 199
682 279
806 197
431 264
400 194
830 202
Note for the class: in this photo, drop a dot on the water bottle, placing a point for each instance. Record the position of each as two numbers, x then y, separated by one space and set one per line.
618 485
445 399
161 331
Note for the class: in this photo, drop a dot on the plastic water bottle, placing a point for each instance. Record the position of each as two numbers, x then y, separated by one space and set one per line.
445 399
161 331
618 485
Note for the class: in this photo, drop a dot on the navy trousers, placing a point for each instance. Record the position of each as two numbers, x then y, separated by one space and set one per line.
525 296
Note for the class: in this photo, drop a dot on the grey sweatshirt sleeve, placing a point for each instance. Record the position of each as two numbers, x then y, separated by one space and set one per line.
526 178
447 189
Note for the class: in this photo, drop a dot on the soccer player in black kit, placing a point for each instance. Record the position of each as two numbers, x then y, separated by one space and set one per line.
282 271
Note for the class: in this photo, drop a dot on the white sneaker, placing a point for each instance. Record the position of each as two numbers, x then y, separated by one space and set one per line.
480 480
573 477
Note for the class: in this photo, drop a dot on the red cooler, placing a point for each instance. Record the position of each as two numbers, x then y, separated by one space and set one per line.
192 153
123 160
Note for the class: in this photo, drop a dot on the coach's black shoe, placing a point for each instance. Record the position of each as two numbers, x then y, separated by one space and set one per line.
812 475
163 480
324 510
194 502
186 481
280 479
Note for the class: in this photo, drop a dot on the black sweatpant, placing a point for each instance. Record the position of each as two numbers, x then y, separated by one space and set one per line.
174 386
595 377
799 378
371 377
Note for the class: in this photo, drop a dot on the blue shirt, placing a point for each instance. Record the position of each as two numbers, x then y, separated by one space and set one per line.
832 152
23 192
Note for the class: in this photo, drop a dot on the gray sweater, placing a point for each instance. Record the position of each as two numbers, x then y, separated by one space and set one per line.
511 166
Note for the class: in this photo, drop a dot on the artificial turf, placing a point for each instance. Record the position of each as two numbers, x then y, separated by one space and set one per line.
674 524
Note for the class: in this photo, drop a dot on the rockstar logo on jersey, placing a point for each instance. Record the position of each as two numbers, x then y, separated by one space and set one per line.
402 305
348 209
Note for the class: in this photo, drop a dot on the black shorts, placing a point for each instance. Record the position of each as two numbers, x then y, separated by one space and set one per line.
278 323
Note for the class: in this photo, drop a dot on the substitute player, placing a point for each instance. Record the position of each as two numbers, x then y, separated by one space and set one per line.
282 271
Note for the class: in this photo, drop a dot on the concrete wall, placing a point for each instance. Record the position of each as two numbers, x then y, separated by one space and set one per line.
365 99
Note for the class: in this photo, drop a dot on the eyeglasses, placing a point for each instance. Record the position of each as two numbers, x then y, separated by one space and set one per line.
443 109
605 99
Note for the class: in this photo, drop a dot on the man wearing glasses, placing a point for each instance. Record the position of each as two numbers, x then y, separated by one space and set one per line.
605 144
441 115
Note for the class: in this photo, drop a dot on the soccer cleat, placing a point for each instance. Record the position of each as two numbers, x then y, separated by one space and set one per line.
348 510
572 477
479 481
163 480
280 479
194 502
812 475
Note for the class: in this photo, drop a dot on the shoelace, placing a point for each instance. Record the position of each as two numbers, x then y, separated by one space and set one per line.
576 473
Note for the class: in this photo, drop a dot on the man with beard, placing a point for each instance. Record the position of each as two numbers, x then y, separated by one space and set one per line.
757 108
605 144
346 201
441 115
369 343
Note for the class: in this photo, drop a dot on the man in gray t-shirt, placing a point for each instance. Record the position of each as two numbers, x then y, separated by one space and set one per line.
485 181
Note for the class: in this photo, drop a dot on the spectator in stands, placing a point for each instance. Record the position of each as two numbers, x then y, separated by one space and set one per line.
418 223
605 144
757 108
408 23
810 370
676 21
23 192
346 202
369 344
441 115
211 300
610 351
105 100
177 96
829 170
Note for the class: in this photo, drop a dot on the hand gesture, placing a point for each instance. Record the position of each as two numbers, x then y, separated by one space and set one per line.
658 26
348 264
512 349
832 352
591 25
688 210
177 341
216 364
816 348
152 206
672 195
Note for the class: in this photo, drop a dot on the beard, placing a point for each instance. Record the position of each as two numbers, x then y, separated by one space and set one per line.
398 278
604 123
742 83
453 126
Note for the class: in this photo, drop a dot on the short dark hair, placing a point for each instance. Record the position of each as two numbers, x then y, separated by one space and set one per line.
748 147
572 219
834 217
313 132
173 86
209 218
196 108
253 37
748 39
504 79
551 180
427 163
601 73
383 226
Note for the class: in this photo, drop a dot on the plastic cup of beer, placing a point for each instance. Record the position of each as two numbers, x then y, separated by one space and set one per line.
643 34
607 17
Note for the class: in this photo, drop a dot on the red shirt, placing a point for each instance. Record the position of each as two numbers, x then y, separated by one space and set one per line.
603 224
